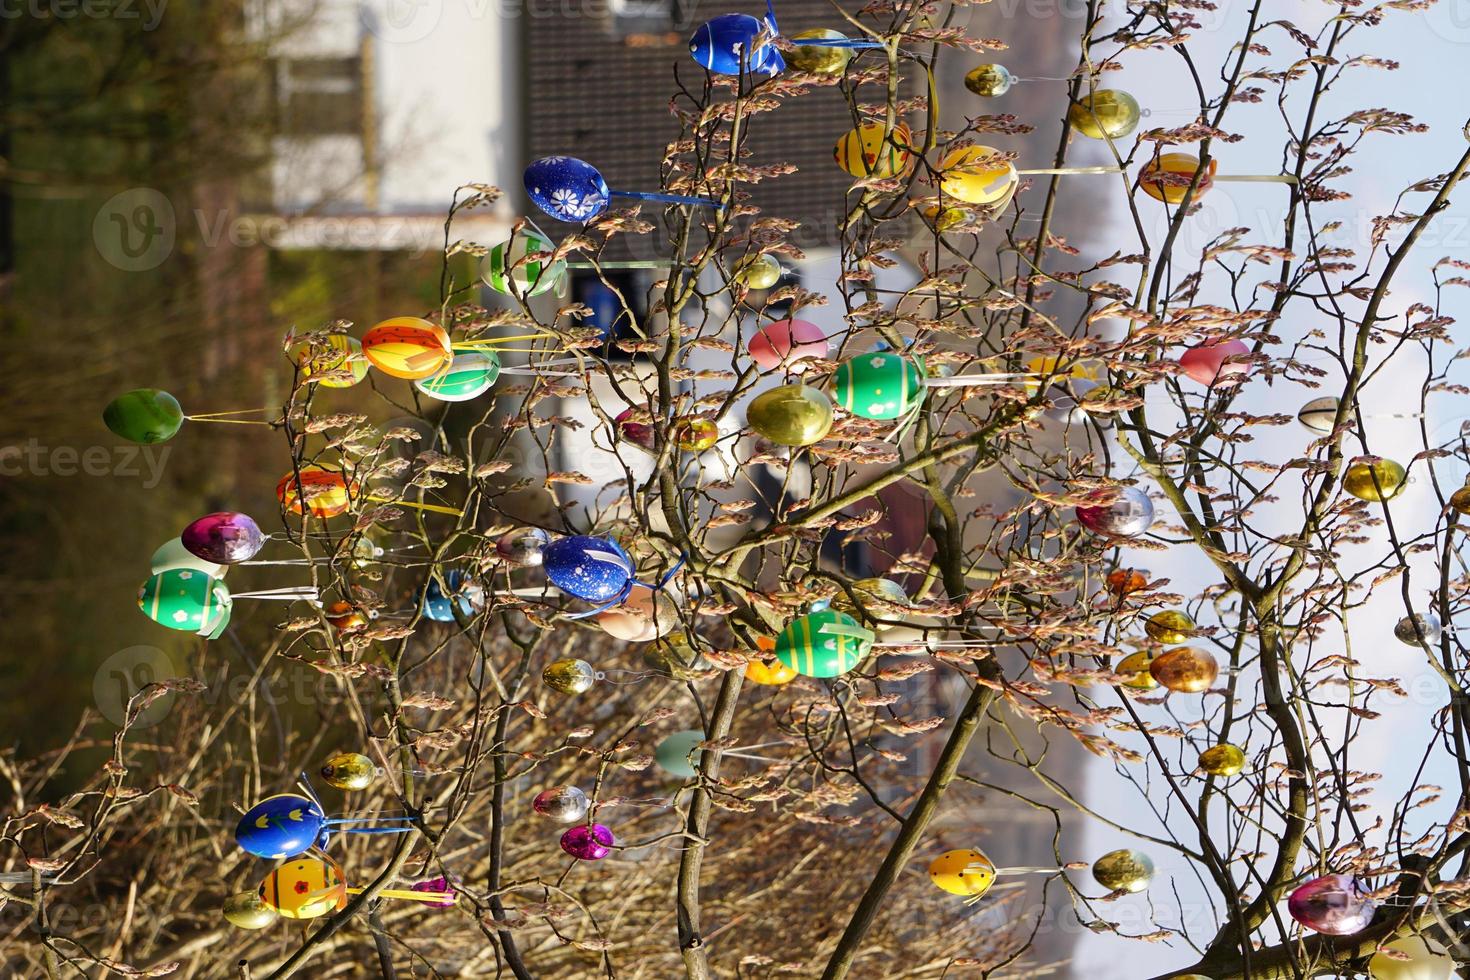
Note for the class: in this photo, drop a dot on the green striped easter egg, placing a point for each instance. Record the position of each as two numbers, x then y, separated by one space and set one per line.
470 374
823 644
505 270
185 599
879 385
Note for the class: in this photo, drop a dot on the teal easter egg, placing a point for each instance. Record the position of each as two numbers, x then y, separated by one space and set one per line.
677 755
185 599
823 644
880 385
469 375
144 416
506 269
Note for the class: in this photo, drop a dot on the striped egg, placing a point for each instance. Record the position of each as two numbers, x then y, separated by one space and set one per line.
333 361
872 151
819 645
1319 415
469 375
507 269
977 175
879 385
408 347
327 491
305 889
185 599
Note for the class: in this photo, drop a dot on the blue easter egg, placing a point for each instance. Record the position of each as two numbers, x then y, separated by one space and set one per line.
281 827
437 605
731 43
566 188
592 569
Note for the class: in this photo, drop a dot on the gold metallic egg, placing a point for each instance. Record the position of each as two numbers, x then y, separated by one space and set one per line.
1460 499
672 655
345 616
1188 670
1374 478
968 873
1123 870
1170 626
1134 669
1222 760
695 435
791 415
990 80
1105 113
757 271
569 676
247 910
349 771
818 59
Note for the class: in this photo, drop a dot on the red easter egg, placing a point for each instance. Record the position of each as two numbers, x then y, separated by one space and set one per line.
1206 363
783 343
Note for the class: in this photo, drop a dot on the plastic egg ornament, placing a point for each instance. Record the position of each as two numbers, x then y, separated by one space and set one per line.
564 804
977 175
280 826
327 491
588 843
333 361
407 347
1319 415
144 415
757 271
826 643
1134 669
185 599
524 546
1123 512
1374 479
1460 499
989 80
734 44
791 415
1222 760
1187 670
1334 905
678 755
1420 961
173 554
1208 365
1182 166
695 434
440 885
967 873
819 59
569 676
1123 870
786 343
345 616
871 592
350 771
644 616
1126 581
469 375
872 151
507 268
639 434
769 673
566 188
591 569
1421 627
246 910
1170 626
1105 114
879 385
467 593
225 538
305 889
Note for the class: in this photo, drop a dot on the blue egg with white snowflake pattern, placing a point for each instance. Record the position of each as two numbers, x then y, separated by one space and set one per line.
436 604
567 188
735 43
592 569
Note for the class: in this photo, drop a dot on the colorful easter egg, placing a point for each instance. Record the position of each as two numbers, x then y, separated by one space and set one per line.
407 347
1170 626
305 889
1183 167
1123 870
872 151
524 546
1335 905
989 80
879 385
1188 670
1222 760
771 673
333 361
592 569
246 910
144 415
281 826
963 872
588 843
786 343
1319 415
564 804
678 754
569 676
757 271
1374 479
185 599
523 266
827 643
566 188
470 374
469 594
732 44
1216 363
695 434
977 175
349 771
819 59
225 538
1117 512
1411 958
326 490
1418 628
173 554
791 415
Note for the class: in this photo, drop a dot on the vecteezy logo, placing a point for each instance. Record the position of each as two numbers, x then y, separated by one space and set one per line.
404 21
134 230
1450 19
125 673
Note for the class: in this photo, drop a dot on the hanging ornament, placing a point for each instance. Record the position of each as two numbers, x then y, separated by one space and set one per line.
309 888
735 44
1335 905
694 434
564 804
1170 626
246 910
469 375
468 594
185 599
826 643
524 546
1167 177
407 347
326 489
791 415
144 415
349 771
1105 114
977 175
968 873
1187 670
286 825
569 676
673 753
343 615
640 618
1123 582
1417 959
1215 364
333 361
588 843
1222 760
757 271
572 190
226 538
769 673
1419 628
1319 414
172 554
592 569
517 268
786 344
817 59
879 386
1460 499
989 80
1117 512
872 150
1134 669
437 890
1374 479
1123 870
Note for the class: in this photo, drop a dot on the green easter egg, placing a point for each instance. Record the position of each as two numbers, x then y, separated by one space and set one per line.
185 599
505 269
470 374
822 644
880 385
144 416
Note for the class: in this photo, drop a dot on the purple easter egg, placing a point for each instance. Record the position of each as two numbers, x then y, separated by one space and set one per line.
226 538
439 884
588 843
1333 904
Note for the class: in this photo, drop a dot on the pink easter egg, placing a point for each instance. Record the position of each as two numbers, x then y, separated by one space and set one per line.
785 342
1206 363
588 843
